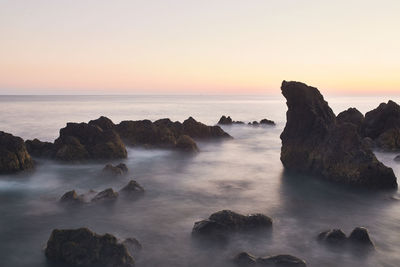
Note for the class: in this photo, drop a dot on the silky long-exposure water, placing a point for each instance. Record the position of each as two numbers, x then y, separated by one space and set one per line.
243 174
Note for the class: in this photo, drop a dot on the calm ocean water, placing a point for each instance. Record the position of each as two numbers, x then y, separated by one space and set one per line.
243 174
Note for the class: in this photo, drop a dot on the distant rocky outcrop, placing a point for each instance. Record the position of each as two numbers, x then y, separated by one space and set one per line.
82 247
14 156
245 259
358 237
120 169
224 120
314 142
224 222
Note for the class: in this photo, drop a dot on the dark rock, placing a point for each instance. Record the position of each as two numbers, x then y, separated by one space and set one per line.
106 195
104 123
71 197
39 149
245 259
351 115
82 247
334 236
314 142
120 169
397 158
133 245
13 154
82 141
199 130
254 123
389 140
225 120
360 236
133 189
187 144
281 261
267 122
226 221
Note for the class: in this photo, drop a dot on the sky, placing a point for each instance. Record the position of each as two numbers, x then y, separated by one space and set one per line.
198 47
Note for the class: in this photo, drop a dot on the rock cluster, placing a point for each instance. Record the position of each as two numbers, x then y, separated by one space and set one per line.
314 142
359 236
244 259
82 247
224 120
13 154
224 222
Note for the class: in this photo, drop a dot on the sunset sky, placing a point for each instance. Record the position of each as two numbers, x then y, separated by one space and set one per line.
191 47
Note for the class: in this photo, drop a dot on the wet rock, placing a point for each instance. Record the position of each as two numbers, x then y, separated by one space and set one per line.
119 169
82 141
13 154
199 130
351 115
187 144
334 236
281 261
39 149
132 189
313 142
106 195
397 158
360 236
71 197
267 122
133 245
245 259
226 221
225 120
82 247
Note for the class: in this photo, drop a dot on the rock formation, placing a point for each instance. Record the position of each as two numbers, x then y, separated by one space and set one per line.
228 121
351 115
358 237
132 189
13 154
82 248
314 142
244 259
40 149
106 195
119 169
186 143
71 197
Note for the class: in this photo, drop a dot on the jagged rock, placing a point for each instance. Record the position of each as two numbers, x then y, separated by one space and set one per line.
82 247
244 259
13 154
225 120
133 245
334 236
187 144
383 125
119 169
104 123
360 236
82 141
71 197
267 122
226 221
132 189
314 142
40 149
106 195
351 115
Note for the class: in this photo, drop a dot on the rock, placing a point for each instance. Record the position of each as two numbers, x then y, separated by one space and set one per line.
82 141
133 245
104 123
132 189
13 154
245 259
335 236
225 120
397 158
267 122
360 236
313 142
199 130
106 195
39 149
351 115
281 261
82 247
254 123
120 169
226 221
383 125
187 144
71 197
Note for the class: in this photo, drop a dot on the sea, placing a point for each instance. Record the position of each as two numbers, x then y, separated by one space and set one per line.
244 174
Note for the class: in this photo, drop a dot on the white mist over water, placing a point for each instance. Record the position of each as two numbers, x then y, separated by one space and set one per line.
243 174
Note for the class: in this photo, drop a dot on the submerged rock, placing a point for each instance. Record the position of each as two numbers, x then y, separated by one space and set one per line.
82 247
13 154
106 195
39 149
314 142
245 259
225 120
267 122
397 158
132 189
360 236
71 197
119 169
334 236
226 221
133 245
187 144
